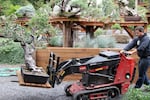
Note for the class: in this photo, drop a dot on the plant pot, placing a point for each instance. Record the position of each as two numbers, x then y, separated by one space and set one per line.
34 77
23 18
132 18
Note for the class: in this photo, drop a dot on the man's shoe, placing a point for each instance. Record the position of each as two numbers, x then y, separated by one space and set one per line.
147 83
136 87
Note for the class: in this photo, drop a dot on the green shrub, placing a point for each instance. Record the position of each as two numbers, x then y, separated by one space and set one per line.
137 94
142 12
104 41
12 9
9 6
116 26
88 42
99 31
101 41
10 52
56 41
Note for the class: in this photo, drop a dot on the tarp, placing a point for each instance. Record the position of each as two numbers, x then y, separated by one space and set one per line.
8 71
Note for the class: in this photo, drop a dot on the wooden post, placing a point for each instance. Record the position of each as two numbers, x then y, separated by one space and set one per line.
67 34
90 31
145 28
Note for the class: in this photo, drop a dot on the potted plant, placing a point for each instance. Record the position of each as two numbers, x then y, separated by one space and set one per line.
126 11
24 13
28 36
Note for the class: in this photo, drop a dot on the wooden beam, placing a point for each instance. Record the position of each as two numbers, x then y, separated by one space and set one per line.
91 23
96 28
83 27
130 32
133 23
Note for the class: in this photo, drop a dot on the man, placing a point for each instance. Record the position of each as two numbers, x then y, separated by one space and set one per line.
142 47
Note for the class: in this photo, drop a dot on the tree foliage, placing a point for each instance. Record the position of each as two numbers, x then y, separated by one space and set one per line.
7 5
87 9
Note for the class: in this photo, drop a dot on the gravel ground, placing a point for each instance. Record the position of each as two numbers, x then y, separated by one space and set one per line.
11 90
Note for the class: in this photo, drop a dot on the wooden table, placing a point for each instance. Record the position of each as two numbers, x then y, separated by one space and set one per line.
67 25
90 26
127 26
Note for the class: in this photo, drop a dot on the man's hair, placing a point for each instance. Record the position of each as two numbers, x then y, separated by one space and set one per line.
139 28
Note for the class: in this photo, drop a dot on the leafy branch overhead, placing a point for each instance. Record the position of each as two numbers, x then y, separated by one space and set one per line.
14 31
37 25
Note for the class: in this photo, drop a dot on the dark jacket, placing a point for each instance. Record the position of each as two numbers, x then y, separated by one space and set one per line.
142 44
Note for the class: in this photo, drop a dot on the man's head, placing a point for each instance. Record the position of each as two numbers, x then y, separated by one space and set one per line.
139 31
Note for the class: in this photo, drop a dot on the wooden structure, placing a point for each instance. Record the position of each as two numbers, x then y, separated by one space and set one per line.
65 53
42 57
90 26
68 25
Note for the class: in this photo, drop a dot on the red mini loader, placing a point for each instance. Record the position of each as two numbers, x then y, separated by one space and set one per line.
104 77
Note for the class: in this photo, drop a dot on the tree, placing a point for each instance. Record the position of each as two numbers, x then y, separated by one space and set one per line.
87 9
28 35
38 3
8 5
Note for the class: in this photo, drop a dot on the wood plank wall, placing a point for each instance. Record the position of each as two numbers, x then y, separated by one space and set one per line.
42 55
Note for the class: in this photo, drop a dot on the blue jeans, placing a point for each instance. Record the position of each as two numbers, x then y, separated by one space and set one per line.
143 67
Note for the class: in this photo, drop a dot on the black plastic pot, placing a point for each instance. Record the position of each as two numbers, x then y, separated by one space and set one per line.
34 77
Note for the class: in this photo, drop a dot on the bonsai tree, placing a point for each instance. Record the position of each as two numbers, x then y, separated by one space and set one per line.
125 9
27 35
25 11
87 9
19 34
68 8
